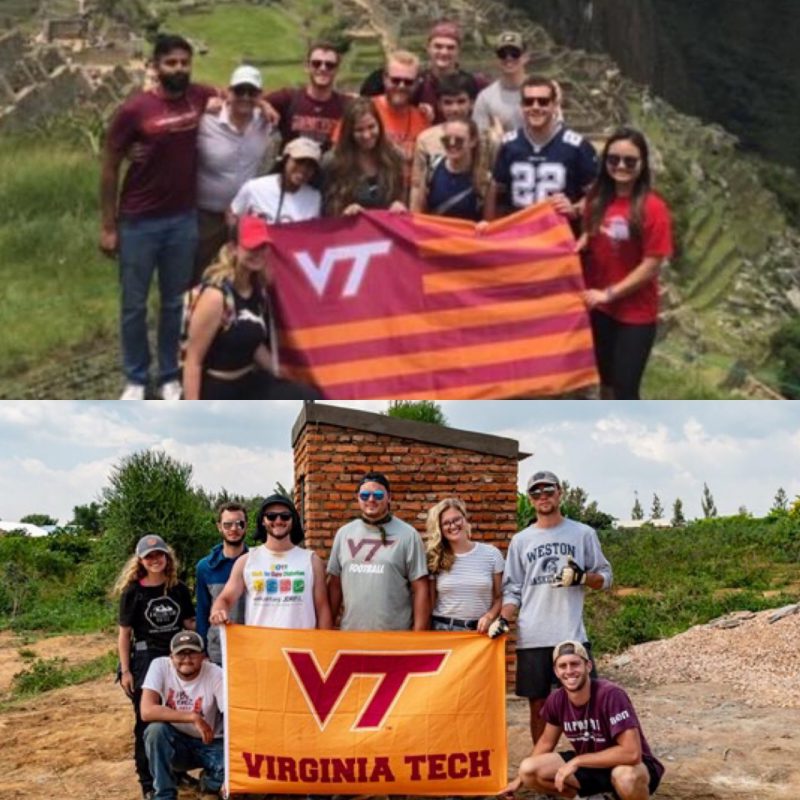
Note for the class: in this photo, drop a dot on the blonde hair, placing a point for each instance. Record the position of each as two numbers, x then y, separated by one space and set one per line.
223 267
440 555
404 58
134 570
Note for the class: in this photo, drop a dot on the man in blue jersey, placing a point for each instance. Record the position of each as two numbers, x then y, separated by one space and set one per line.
543 160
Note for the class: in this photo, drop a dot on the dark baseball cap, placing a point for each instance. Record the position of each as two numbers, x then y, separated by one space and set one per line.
544 477
149 544
186 640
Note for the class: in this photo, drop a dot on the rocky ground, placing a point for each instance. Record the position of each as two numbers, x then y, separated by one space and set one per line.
719 706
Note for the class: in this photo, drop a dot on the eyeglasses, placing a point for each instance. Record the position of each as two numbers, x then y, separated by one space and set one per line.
541 102
545 491
452 523
629 162
508 52
453 141
404 82
246 91
235 523
378 494
319 63
186 654
282 515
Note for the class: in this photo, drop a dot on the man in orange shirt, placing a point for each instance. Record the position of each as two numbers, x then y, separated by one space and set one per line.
402 121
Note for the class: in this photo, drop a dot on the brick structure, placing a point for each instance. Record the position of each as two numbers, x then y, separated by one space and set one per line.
334 447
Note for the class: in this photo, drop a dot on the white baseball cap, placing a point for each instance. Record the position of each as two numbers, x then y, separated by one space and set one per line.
246 75
303 147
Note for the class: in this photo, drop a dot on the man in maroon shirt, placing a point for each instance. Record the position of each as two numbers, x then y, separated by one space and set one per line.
313 110
153 225
610 753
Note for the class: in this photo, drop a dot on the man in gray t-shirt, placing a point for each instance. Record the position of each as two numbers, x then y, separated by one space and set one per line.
377 567
549 566
497 108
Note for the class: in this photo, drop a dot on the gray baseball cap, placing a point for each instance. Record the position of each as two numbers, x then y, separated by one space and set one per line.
570 648
186 640
545 477
149 544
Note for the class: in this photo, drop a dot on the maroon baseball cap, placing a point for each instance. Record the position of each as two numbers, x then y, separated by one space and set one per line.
253 232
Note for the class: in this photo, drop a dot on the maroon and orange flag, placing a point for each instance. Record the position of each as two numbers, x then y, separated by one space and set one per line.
335 712
414 306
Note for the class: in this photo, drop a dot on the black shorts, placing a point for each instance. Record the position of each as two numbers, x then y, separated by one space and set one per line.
535 675
598 781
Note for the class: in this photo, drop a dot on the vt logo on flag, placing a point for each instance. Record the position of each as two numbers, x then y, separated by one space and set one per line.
335 712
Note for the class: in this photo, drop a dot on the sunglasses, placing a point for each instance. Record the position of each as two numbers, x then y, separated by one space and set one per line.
378 494
453 141
246 91
541 102
405 82
318 63
282 515
508 52
236 523
629 162
545 491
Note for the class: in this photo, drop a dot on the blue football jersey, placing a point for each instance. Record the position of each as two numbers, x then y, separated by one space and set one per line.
566 164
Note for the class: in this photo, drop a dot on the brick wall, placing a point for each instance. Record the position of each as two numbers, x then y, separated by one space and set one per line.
330 458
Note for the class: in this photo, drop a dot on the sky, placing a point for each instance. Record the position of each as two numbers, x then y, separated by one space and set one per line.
56 455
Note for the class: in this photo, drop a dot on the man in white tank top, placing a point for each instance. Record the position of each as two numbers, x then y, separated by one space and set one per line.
283 584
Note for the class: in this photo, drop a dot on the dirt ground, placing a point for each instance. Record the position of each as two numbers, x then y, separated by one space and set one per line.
77 742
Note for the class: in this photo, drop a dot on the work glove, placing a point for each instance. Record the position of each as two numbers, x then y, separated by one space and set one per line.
498 627
571 575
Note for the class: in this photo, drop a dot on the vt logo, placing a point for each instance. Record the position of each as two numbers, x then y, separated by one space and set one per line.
324 691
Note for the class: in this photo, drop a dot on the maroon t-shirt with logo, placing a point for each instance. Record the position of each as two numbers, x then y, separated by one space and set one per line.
301 115
596 726
159 136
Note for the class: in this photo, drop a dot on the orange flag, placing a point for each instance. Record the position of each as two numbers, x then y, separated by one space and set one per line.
336 712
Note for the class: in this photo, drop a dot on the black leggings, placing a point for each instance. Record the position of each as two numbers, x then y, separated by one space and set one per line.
255 385
621 350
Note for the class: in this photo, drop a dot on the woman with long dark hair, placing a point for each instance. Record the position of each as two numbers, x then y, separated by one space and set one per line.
364 170
628 237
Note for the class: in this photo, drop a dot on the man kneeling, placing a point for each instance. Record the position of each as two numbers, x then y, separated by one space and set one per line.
182 700
597 717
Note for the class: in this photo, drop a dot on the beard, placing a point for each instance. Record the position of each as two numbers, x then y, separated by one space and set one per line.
175 82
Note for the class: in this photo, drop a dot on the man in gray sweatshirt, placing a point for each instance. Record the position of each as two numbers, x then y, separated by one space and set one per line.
548 568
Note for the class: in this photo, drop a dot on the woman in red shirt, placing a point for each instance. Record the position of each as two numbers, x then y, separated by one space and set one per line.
628 236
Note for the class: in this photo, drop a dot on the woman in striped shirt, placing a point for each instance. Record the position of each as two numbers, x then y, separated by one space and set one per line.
465 576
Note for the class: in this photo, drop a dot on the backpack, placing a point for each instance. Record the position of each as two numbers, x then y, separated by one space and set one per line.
190 299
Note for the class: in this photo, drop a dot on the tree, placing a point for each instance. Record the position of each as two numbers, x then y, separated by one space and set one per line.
678 519
656 510
785 346
637 512
707 503
743 512
88 517
781 501
39 519
419 410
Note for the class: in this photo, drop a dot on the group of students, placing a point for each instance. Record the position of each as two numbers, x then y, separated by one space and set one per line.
434 139
380 575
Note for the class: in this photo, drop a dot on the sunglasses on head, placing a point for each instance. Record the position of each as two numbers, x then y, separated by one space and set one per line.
543 491
406 82
246 91
541 102
453 141
629 162
378 494
320 63
236 523
508 52
273 515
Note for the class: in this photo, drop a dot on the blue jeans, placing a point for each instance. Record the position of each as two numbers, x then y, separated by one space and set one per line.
167 244
168 750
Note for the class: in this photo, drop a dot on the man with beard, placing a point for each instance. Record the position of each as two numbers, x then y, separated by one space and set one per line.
377 567
214 570
283 584
314 110
610 753
183 701
548 568
155 225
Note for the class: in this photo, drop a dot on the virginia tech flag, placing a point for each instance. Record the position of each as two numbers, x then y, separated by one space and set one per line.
415 306
336 712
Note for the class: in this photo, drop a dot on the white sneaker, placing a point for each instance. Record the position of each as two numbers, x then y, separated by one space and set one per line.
171 390
132 391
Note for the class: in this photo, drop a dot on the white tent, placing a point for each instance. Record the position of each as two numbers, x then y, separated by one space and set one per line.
7 526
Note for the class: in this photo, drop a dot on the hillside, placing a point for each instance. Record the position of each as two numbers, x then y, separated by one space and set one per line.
735 280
